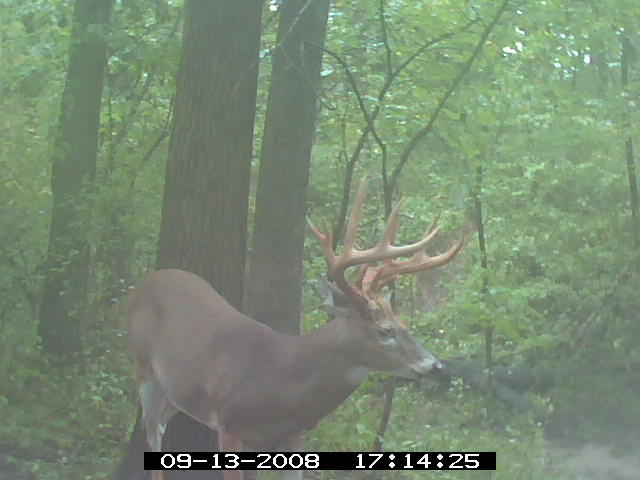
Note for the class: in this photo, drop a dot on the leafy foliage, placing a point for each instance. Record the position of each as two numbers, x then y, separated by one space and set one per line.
541 110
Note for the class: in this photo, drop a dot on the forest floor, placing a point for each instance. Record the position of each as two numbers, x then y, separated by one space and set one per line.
593 462
587 462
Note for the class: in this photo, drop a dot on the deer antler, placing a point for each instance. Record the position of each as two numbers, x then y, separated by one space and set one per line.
372 279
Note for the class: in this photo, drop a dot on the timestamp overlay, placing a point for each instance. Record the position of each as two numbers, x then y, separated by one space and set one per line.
320 461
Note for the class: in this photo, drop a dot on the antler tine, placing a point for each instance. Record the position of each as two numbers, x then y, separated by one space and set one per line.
418 262
434 224
325 241
355 217
334 262
383 250
386 251
389 235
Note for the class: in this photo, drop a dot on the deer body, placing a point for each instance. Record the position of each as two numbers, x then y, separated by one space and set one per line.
280 384
259 388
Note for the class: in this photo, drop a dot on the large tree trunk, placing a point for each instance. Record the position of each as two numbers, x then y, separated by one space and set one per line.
73 169
204 215
274 284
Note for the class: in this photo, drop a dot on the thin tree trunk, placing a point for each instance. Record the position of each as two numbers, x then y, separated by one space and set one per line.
73 170
274 293
484 262
628 145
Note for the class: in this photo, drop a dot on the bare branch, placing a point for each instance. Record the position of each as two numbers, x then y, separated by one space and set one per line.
385 38
406 153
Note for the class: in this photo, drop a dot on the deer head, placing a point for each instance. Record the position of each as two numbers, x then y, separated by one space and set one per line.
385 341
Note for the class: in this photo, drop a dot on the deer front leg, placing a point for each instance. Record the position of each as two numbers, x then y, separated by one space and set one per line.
228 443
294 444
157 410
157 474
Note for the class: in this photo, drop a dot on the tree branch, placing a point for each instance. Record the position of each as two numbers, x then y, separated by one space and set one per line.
406 153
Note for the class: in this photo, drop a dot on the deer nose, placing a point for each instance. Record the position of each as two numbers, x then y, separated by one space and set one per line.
438 366
428 366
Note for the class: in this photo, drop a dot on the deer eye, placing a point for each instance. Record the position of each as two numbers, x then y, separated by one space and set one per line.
385 334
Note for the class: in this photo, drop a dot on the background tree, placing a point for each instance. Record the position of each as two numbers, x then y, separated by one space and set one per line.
625 59
276 276
73 170
137 114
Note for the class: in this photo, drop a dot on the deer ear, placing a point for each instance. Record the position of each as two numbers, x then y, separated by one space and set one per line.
335 302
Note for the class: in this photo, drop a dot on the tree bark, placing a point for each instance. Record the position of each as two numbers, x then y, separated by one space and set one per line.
73 170
204 214
274 293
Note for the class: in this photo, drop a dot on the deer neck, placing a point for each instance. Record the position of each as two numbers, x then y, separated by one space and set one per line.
328 357
300 379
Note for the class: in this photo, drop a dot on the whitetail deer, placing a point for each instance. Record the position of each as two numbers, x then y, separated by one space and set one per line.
259 388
